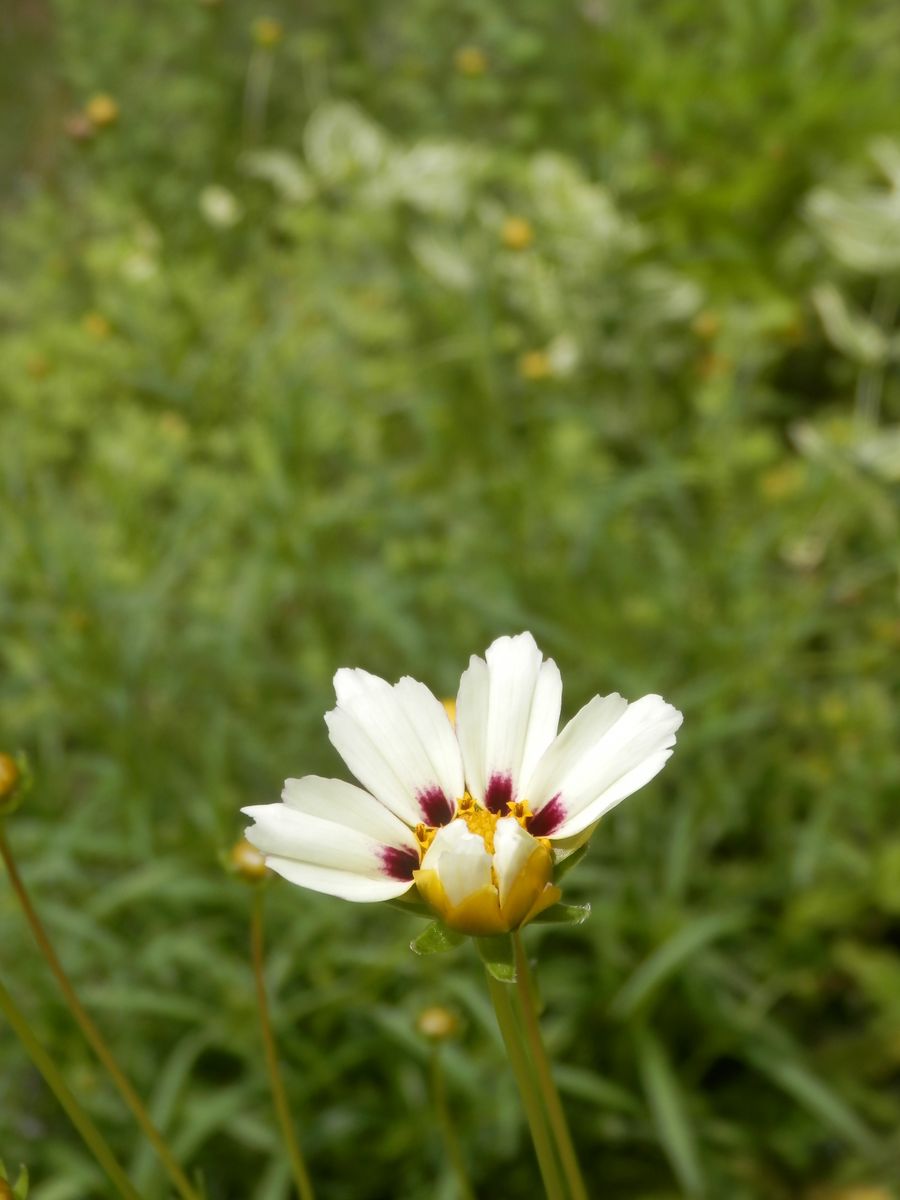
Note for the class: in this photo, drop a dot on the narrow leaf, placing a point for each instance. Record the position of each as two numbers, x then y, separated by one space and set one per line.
670 1117
668 957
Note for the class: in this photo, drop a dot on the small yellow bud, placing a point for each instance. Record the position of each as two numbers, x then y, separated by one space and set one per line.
706 325
471 61
267 32
437 1023
15 780
516 233
450 708
247 862
96 325
535 365
101 110
10 775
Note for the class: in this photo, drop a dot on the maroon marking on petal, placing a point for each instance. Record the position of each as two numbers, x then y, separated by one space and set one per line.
436 808
499 792
399 863
547 819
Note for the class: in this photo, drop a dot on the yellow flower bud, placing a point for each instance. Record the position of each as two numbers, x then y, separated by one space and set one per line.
516 233
101 110
246 862
471 61
96 325
437 1023
267 32
535 365
9 775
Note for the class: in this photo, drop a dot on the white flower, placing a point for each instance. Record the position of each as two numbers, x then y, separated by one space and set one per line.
473 816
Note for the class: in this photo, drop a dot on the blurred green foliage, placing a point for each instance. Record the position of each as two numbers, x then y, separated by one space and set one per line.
426 323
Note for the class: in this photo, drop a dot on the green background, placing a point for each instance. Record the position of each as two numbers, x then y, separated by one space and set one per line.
325 415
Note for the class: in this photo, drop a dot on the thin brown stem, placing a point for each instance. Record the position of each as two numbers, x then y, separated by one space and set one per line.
279 1097
92 1034
92 1136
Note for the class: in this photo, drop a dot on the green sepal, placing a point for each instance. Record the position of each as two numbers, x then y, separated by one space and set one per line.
435 939
412 905
564 865
498 956
563 914
20 1190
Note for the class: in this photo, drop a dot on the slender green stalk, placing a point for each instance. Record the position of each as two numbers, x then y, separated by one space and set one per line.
92 1136
528 1089
552 1103
448 1129
256 93
91 1033
279 1098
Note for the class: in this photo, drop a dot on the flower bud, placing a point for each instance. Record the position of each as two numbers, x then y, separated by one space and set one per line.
471 61
101 110
535 365
516 233
437 1023
14 782
246 862
267 32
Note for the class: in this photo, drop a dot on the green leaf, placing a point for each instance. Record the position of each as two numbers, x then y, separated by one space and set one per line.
498 956
20 1191
667 957
676 1133
790 1074
563 914
435 939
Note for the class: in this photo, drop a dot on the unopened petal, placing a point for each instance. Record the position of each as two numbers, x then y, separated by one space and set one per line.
461 860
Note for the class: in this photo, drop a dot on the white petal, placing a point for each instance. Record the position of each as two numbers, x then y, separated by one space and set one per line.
507 714
460 859
399 743
347 806
607 751
512 849
334 838
344 884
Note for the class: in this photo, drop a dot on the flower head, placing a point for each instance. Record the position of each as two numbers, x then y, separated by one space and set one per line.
472 816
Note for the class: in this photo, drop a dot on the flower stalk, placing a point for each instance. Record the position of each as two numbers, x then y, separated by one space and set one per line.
91 1033
282 1110
91 1135
552 1104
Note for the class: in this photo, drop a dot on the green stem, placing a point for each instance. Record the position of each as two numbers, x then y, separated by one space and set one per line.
92 1136
91 1033
279 1097
451 1141
528 1089
552 1102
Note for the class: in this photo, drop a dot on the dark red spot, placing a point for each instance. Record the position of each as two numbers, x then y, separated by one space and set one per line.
399 863
436 808
547 819
499 793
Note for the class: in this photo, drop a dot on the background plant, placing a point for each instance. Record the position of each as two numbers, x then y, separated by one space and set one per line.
282 396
